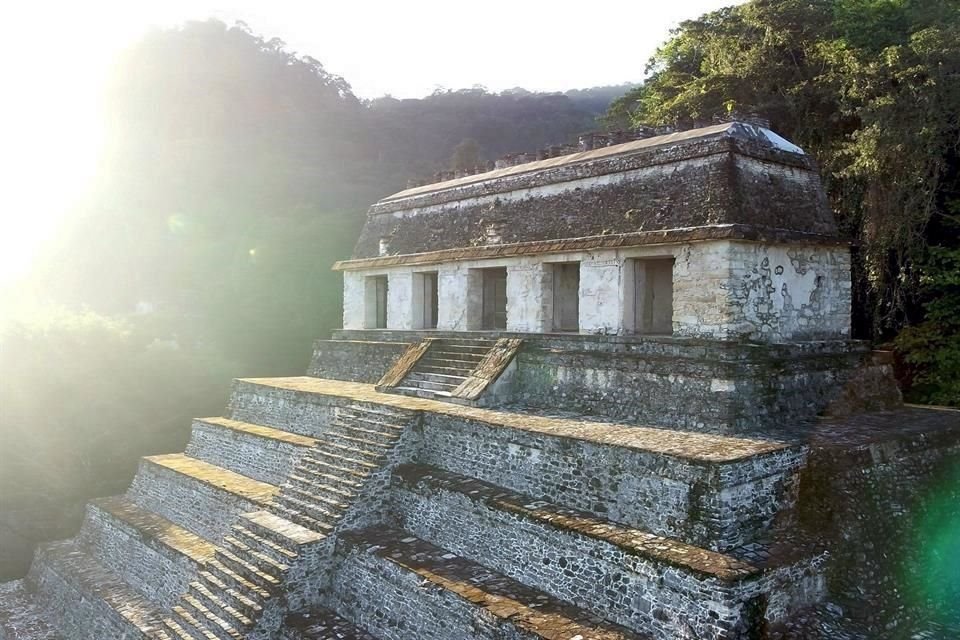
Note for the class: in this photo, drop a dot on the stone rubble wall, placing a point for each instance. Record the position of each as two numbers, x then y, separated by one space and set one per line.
160 574
206 511
715 506
281 409
263 459
77 615
636 592
355 361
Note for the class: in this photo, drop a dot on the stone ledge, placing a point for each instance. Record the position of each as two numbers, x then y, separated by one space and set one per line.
693 447
216 477
297 535
499 596
152 527
259 431
633 541
93 581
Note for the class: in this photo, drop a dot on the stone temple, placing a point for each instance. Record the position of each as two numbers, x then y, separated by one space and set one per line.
599 395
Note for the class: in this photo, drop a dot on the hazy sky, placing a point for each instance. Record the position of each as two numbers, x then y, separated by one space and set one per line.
55 56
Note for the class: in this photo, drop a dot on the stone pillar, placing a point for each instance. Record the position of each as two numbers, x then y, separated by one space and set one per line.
529 298
601 296
400 301
353 300
453 284
701 286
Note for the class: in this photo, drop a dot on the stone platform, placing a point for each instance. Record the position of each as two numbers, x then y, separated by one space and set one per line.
323 508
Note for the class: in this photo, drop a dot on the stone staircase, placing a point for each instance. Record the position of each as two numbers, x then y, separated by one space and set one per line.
214 543
446 365
235 595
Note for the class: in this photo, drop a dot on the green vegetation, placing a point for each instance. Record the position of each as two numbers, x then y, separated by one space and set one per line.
83 396
872 89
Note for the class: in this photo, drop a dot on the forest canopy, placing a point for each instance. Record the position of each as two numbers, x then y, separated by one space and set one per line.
872 89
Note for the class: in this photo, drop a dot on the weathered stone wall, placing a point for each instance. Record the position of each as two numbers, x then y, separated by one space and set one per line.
76 614
280 409
711 180
199 507
356 361
883 493
789 293
263 459
158 572
718 506
637 592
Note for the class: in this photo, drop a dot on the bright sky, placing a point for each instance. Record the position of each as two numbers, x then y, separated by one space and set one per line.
55 57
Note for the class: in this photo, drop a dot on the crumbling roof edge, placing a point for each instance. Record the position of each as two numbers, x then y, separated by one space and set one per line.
737 130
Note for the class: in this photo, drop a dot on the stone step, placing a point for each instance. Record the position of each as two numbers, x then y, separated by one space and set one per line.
367 431
83 599
183 626
316 485
195 626
201 497
305 506
455 363
321 624
209 620
336 434
347 457
452 355
459 347
261 453
220 605
263 545
154 555
458 372
438 377
443 596
300 518
236 580
324 496
249 570
246 602
415 380
21 616
353 451
319 471
263 561
571 555
381 411
485 343
417 392
280 531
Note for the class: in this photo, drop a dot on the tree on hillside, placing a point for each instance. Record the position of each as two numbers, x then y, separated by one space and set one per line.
870 87
466 155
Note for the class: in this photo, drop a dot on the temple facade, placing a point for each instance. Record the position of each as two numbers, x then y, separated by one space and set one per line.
722 233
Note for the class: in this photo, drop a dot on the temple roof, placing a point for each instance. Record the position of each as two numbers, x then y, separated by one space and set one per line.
724 181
